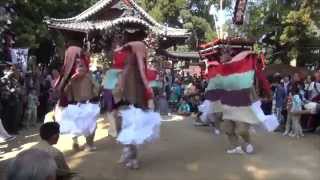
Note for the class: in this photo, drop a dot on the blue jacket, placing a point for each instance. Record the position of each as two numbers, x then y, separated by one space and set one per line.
280 96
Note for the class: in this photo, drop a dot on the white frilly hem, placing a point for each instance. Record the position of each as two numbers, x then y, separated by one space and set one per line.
267 122
3 133
138 126
206 108
79 119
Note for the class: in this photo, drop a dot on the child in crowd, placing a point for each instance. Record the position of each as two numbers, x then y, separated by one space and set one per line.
184 108
295 103
32 106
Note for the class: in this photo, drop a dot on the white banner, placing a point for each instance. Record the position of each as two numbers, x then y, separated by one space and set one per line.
19 56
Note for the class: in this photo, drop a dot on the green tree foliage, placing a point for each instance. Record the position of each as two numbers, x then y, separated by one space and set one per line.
189 14
29 26
7 16
295 24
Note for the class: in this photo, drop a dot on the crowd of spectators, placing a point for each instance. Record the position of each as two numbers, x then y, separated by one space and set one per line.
25 97
290 95
184 93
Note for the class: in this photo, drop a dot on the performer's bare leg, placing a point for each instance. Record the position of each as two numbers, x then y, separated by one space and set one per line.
90 141
229 127
133 159
75 145
129 156
242 129
217 119
235 129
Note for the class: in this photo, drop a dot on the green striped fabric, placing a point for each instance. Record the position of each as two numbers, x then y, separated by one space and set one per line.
232 82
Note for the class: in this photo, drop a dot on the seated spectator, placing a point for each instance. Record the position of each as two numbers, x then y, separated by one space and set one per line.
32 164
49 133
174 96
190 90
194 103
184 108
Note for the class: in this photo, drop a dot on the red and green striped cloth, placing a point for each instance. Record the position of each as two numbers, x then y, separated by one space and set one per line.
231 85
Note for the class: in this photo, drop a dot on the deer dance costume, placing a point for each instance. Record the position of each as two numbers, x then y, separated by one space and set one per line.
232 88
77 110
139 123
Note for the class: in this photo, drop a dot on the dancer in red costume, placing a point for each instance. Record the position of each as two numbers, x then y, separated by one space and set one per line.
139 123
77 109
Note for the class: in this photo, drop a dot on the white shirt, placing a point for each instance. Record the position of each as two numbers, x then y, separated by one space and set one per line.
314 90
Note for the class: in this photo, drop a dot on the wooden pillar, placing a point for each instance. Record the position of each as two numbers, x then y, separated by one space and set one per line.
172 71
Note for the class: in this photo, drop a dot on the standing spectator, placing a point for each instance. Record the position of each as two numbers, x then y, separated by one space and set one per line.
288 126
279 98
295 111
313 94
314 88
307 83
286 84
32 113
53 96
167 86
163 104
45 86
10 100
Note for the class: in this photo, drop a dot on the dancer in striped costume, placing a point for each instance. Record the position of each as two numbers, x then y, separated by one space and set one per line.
233 90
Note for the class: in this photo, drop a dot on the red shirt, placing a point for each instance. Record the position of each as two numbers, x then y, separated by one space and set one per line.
119 59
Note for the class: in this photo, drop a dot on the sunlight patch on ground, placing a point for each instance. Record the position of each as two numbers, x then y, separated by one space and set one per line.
31 136
172 118
65 141
64 144
15 151
193 167
258 173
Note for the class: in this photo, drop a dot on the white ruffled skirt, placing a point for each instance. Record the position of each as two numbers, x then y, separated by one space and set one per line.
267 122
206 108
138 126
79 119
264 122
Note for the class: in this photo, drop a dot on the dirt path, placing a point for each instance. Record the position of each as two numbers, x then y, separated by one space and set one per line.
185 152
